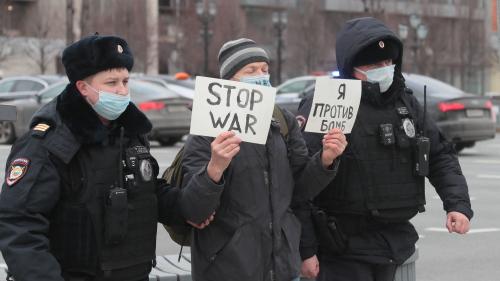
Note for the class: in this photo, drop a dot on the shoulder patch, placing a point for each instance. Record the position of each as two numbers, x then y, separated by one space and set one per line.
40 130
17 170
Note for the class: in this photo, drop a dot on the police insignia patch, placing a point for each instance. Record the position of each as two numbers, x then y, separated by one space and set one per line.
146 170
409 128
17 170
40 130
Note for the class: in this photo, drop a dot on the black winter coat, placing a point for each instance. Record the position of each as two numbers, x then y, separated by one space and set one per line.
255 235
28 206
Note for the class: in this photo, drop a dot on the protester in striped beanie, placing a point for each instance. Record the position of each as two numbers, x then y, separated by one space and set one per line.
243 60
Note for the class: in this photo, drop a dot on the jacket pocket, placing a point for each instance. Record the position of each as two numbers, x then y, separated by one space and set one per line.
73 238
288 259
239 259
328 232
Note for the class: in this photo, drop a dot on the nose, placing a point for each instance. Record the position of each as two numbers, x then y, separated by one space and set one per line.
387 62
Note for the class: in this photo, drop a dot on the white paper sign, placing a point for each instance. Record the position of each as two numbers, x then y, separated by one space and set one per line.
335 105
225 105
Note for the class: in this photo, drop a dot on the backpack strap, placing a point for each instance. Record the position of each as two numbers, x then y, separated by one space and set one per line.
278 115
173 174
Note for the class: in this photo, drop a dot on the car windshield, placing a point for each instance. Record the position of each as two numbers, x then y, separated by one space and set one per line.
435 87
53 91
296 87
188 83
5 86
51 79
142 91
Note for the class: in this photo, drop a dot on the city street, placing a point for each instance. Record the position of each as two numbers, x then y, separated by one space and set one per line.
442 256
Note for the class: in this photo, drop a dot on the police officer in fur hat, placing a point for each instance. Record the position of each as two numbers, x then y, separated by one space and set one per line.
362 219
81 199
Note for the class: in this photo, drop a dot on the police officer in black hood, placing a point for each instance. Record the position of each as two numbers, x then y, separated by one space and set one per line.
81 199
362 218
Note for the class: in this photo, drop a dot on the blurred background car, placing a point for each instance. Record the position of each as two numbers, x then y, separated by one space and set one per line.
495 99
16 87
167 111
463 118
290 93
181 83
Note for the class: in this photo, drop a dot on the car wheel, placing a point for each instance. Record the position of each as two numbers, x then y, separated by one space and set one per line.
7 132
459 146
169 141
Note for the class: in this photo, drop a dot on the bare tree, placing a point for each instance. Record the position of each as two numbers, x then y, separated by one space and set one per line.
73 20
70 10
40 49
152 13
5 49
306 25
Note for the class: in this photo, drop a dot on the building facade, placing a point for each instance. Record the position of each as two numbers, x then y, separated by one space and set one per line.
185 35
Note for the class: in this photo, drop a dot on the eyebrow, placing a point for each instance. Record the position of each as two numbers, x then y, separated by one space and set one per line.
117 78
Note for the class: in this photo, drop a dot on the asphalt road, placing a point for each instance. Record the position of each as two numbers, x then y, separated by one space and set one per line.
442 256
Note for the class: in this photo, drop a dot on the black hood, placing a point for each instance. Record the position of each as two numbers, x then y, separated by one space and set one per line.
357 34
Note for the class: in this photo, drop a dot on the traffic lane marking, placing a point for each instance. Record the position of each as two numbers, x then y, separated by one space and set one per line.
472 231
486 161
486 176
472 198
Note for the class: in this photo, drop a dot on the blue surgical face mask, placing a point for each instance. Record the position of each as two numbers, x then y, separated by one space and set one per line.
382 75
110 105
262 80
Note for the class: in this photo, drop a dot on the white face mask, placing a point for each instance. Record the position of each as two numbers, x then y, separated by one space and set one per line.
382 75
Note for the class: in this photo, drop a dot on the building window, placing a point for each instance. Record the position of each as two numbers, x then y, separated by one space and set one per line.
166 4
172 5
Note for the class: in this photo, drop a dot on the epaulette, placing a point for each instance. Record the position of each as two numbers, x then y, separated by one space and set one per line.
40 130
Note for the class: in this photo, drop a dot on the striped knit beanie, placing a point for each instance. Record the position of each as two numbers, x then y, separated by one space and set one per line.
234 55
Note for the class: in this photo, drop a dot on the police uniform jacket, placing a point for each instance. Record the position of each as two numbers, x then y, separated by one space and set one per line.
369 238
255 235
36 179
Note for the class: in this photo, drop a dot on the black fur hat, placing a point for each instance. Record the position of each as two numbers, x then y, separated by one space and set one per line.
94 54
377 51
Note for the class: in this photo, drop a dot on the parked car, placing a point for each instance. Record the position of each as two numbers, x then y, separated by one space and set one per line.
184 87
167 111
18 87
463 118
290 93
495 99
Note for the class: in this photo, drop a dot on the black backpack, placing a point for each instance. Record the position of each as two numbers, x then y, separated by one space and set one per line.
181 234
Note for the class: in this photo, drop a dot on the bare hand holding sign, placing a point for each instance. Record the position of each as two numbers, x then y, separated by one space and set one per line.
225 105
335 105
